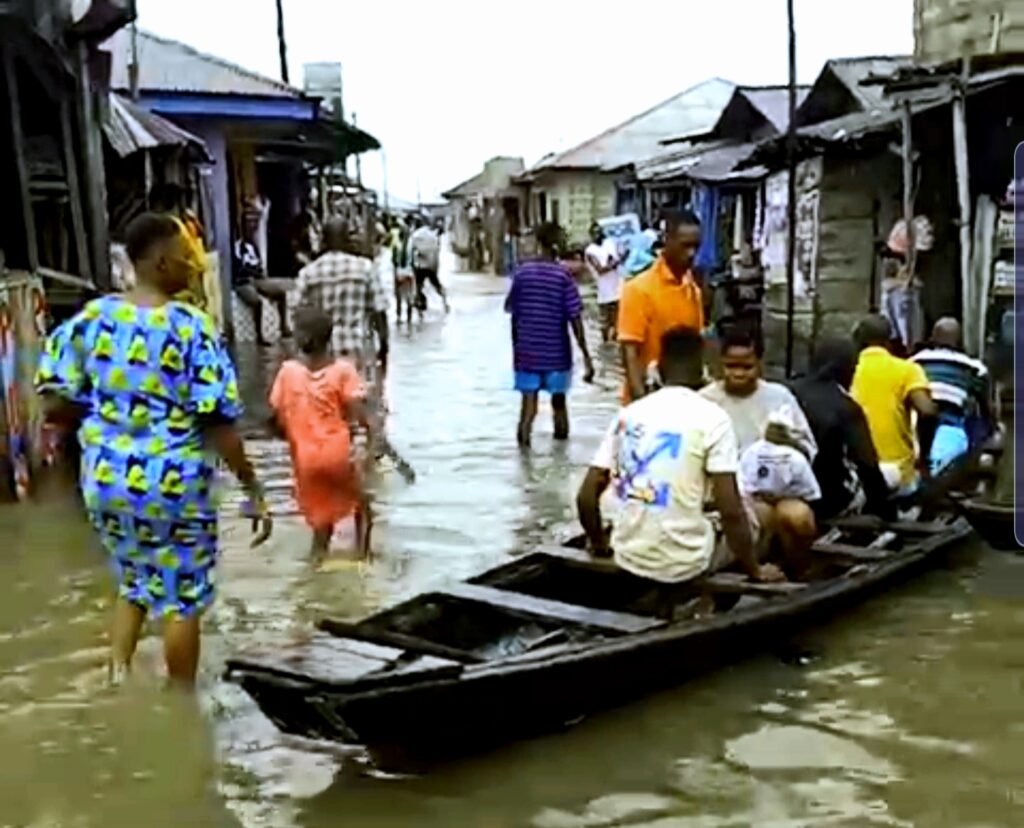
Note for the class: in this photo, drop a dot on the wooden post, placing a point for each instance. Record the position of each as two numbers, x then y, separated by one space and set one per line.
74 192
359 165
972 303
133 68
20 161
95 184
282 44
791 205
908 189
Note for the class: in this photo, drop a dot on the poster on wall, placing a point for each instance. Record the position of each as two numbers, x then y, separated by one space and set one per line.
775 230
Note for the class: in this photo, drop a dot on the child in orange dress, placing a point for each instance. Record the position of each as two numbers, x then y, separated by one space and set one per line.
313 400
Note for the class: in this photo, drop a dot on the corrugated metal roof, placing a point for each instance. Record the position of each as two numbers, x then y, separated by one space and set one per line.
469 187
773 102
694 111
852 71
716 162
131 129
496 176
171 66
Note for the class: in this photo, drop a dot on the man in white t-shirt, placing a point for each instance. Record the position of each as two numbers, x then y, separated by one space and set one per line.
659 456
602 256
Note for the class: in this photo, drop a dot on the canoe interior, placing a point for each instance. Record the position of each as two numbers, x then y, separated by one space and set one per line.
470 627
568 573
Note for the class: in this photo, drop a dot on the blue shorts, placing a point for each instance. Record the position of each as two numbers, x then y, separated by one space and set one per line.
951 443
554 382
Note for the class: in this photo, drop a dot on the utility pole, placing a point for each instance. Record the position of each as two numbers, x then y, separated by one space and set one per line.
133 69
791 202
359 165
282 44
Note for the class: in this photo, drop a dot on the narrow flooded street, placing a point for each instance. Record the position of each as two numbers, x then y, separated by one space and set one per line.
905 713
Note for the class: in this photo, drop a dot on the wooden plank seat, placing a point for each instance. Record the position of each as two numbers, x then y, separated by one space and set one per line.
528 606
725 582
366 631
327 659
860 523
737 583
849 552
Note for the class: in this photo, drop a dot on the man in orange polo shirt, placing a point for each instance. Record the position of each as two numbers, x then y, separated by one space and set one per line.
663 298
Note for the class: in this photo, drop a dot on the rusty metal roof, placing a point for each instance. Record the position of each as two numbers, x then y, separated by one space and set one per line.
171 66
694 111
131 129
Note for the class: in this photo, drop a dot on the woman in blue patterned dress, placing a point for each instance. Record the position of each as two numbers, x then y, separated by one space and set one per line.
154 396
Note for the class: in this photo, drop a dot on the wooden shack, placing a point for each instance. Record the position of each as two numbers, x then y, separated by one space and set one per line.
848 197
53 241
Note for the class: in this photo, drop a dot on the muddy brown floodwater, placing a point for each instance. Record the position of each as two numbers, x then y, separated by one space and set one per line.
906 712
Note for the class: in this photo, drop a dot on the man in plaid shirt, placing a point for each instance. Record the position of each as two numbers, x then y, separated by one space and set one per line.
347 288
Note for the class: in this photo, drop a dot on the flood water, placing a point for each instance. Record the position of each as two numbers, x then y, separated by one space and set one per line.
904 713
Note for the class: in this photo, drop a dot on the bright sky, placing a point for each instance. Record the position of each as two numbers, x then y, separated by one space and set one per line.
446 84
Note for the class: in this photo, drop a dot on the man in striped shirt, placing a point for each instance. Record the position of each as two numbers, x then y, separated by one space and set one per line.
545 305
960 388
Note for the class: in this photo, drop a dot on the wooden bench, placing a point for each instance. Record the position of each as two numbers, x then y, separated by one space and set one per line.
542 608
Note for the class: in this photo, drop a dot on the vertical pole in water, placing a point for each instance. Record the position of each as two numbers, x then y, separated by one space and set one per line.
282 44
791 201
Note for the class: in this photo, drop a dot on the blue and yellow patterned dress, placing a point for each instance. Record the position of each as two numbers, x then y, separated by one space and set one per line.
147 377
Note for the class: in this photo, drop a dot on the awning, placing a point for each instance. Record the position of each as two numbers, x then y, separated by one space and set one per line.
130 128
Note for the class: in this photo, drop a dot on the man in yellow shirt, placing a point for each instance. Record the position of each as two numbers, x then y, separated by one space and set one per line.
891 390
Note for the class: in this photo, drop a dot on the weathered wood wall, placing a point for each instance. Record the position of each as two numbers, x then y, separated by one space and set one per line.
949 29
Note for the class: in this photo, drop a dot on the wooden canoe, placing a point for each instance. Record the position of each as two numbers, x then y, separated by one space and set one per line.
993 521
546 639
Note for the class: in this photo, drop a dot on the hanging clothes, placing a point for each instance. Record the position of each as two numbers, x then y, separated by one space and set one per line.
705 202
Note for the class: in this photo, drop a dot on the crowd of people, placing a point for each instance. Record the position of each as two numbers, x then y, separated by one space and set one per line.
865 430
705 472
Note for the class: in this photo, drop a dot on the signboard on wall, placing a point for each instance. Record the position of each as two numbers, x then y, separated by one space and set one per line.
323 80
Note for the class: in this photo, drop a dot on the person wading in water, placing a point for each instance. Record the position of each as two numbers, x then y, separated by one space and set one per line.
545 305
150 387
